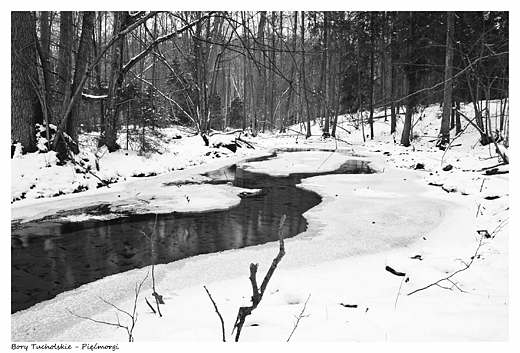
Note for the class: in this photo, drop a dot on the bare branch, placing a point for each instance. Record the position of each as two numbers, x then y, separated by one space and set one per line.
218 313
244 311
448 278
133 316
299 317
157 296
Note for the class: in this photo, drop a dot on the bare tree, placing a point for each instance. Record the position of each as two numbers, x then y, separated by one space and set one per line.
444 133
25 106
69 123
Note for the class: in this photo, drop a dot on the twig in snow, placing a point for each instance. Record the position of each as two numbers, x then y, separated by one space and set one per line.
150 305
132 316
449 278
218 313
299 317
398 293
482 185
499 227
478 210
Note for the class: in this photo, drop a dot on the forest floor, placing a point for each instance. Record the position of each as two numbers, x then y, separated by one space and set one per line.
437 218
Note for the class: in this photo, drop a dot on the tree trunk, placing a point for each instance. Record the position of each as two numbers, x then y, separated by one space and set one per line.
289 111
303 76
336 96
64 67
265 92
410 81
245 80
458 127
45 40
326 59
371 102
360 99
45 73
85 45
393 79
405 137
45 37
97 73
444 135
115 85
200 103
25 107
271 72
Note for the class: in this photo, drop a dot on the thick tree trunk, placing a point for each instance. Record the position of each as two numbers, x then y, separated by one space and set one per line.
97 73
72 121
45 42
63 86
25 107
115 85
64 64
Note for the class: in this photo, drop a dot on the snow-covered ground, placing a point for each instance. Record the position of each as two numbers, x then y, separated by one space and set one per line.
418 220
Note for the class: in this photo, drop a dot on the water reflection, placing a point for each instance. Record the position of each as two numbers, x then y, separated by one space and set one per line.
50 258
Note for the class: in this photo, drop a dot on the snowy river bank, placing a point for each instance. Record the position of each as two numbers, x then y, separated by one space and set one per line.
360 215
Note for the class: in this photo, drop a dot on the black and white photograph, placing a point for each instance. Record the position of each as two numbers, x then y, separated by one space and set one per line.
319 176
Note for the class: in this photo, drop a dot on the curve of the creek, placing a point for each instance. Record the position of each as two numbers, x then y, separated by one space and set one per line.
48 258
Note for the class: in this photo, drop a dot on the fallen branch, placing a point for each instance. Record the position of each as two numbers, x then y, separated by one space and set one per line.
244 311
484 135
244 141
495 171
298 132
491 167
394 272
213 132
342 128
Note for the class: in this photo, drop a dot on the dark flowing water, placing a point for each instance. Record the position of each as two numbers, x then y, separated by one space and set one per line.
50 258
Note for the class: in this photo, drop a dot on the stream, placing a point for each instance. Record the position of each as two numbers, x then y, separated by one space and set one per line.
48 258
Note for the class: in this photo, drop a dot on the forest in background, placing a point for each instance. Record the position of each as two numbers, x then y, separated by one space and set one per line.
75 72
